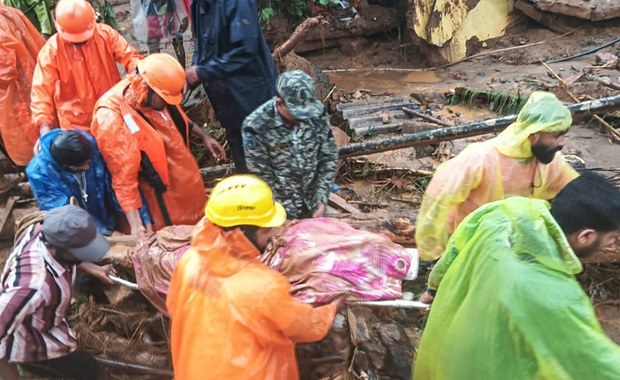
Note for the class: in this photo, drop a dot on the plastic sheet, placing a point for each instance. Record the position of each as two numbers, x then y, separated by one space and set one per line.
158 20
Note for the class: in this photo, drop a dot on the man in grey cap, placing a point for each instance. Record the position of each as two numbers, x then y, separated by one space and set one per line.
35 295
288 142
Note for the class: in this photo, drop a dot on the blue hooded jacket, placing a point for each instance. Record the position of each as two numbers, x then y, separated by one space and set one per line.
53 186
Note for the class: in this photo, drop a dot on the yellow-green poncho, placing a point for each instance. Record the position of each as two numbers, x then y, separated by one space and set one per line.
508 305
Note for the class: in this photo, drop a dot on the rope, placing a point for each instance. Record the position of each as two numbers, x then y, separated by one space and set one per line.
27 221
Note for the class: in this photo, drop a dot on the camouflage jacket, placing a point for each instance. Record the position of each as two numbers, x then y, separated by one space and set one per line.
299 163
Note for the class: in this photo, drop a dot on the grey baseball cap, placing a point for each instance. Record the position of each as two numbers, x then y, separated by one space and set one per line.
72 229
296 88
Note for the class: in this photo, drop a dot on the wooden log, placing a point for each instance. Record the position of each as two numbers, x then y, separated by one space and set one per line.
465 130
443 134
298 35
604 81
415 113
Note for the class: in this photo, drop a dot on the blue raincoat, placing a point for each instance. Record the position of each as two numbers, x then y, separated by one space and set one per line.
231 53
53 186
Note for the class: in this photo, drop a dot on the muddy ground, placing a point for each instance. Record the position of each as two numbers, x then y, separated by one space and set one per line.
356 68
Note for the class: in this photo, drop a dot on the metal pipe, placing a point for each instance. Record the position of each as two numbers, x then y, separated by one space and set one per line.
135 367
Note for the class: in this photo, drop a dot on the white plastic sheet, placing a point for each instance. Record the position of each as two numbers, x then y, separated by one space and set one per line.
157 20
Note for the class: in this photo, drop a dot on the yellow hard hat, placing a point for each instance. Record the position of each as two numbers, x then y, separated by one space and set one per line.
244 199
164 75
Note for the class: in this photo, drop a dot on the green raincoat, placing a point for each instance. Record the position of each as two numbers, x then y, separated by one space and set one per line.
508 305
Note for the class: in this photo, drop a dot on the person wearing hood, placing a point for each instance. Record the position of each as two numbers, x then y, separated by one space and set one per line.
143 135
20 43
508 305
76 66
233 317
36 291
38 13
522 160
69 165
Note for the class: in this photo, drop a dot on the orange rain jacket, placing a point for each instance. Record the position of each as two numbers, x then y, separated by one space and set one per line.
119 144
233 317
19 44
492 170
69 78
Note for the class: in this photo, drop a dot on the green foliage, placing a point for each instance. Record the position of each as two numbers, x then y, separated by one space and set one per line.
293 9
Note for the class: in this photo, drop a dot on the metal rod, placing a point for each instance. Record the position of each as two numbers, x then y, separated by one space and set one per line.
125 283
136 367
402 304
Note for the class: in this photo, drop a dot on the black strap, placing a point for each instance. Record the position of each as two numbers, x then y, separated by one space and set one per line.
148 172
179 122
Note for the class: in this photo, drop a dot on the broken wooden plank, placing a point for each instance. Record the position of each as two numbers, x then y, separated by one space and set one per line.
338 202
377 119
357 112
6 211
344 106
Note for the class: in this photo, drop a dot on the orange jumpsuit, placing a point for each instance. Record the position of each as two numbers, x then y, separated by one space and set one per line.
19 44
70 78
185 195
233 317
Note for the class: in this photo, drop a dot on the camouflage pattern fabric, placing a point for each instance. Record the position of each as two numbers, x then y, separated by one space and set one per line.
296 88
299 162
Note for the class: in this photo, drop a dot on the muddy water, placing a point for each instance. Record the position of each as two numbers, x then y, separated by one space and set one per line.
383 81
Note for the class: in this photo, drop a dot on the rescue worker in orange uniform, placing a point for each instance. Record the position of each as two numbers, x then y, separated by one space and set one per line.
19 44
232 316
143 136
76 67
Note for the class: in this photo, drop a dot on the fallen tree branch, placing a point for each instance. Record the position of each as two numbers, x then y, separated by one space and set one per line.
604 81
411 112
298 35
615 134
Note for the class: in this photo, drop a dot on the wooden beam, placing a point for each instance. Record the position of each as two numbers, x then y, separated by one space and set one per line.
340 203
5 212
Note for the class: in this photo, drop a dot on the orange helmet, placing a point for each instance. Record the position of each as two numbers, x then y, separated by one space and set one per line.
75 20
164 75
